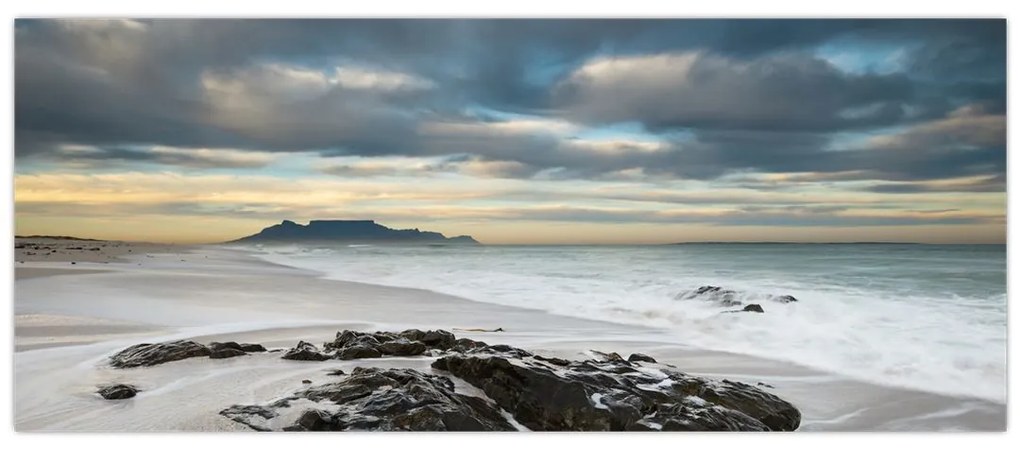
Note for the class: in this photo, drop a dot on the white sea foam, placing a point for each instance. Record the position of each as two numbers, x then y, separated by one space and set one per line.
923 317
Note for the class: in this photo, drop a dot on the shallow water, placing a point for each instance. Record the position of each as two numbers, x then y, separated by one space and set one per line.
928 317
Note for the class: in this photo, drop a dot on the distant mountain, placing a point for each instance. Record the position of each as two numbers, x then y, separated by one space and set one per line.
350 231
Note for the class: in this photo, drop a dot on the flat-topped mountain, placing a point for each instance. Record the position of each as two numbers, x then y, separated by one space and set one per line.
352 231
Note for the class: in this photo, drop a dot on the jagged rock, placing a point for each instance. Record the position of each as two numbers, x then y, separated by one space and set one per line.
119 391
728 298
467 344
611 394
438 339
314 420
376 399
350 344
610 357
148 354
506 350
413 334
358 352
305 351
401 347
638 357
226 353
719 295
336 372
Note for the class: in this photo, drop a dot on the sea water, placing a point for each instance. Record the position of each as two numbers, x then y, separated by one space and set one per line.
925 317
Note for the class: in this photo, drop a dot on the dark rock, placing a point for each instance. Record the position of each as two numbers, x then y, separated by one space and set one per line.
401 347
336 372
719 295
119 391
610 394
378 399
147 354
753 308
638 357
553 360
438 339
305 351
763 384
350 338
226 353
506 350
467 344
610 357
350 344
784 299
306 381
412 334
216 346
314 420
358 352
252 347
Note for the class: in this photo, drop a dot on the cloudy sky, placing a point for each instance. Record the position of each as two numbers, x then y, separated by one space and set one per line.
514 131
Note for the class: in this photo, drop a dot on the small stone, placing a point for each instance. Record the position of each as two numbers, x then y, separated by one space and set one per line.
753 308
638 357
119 391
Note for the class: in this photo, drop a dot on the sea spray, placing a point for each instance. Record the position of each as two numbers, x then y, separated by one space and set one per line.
928 317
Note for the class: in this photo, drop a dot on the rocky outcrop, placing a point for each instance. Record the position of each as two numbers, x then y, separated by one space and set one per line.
521 389
305 351
118 391
712 293
753 308
729 298
350 344
147 354
150 354
246 347
613 394
376 399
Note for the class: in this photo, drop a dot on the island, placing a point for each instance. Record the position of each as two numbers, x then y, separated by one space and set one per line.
348 231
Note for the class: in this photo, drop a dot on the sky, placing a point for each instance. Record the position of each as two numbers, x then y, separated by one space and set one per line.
514 131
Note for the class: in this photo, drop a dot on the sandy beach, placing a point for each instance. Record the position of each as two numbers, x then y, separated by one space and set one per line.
70 318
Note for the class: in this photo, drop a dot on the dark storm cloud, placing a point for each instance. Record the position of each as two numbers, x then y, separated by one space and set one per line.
752 94
704 91
192 158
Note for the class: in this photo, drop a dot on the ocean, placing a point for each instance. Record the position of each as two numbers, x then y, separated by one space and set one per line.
924 317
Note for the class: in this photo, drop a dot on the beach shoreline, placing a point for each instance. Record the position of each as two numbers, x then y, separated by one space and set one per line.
217 294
